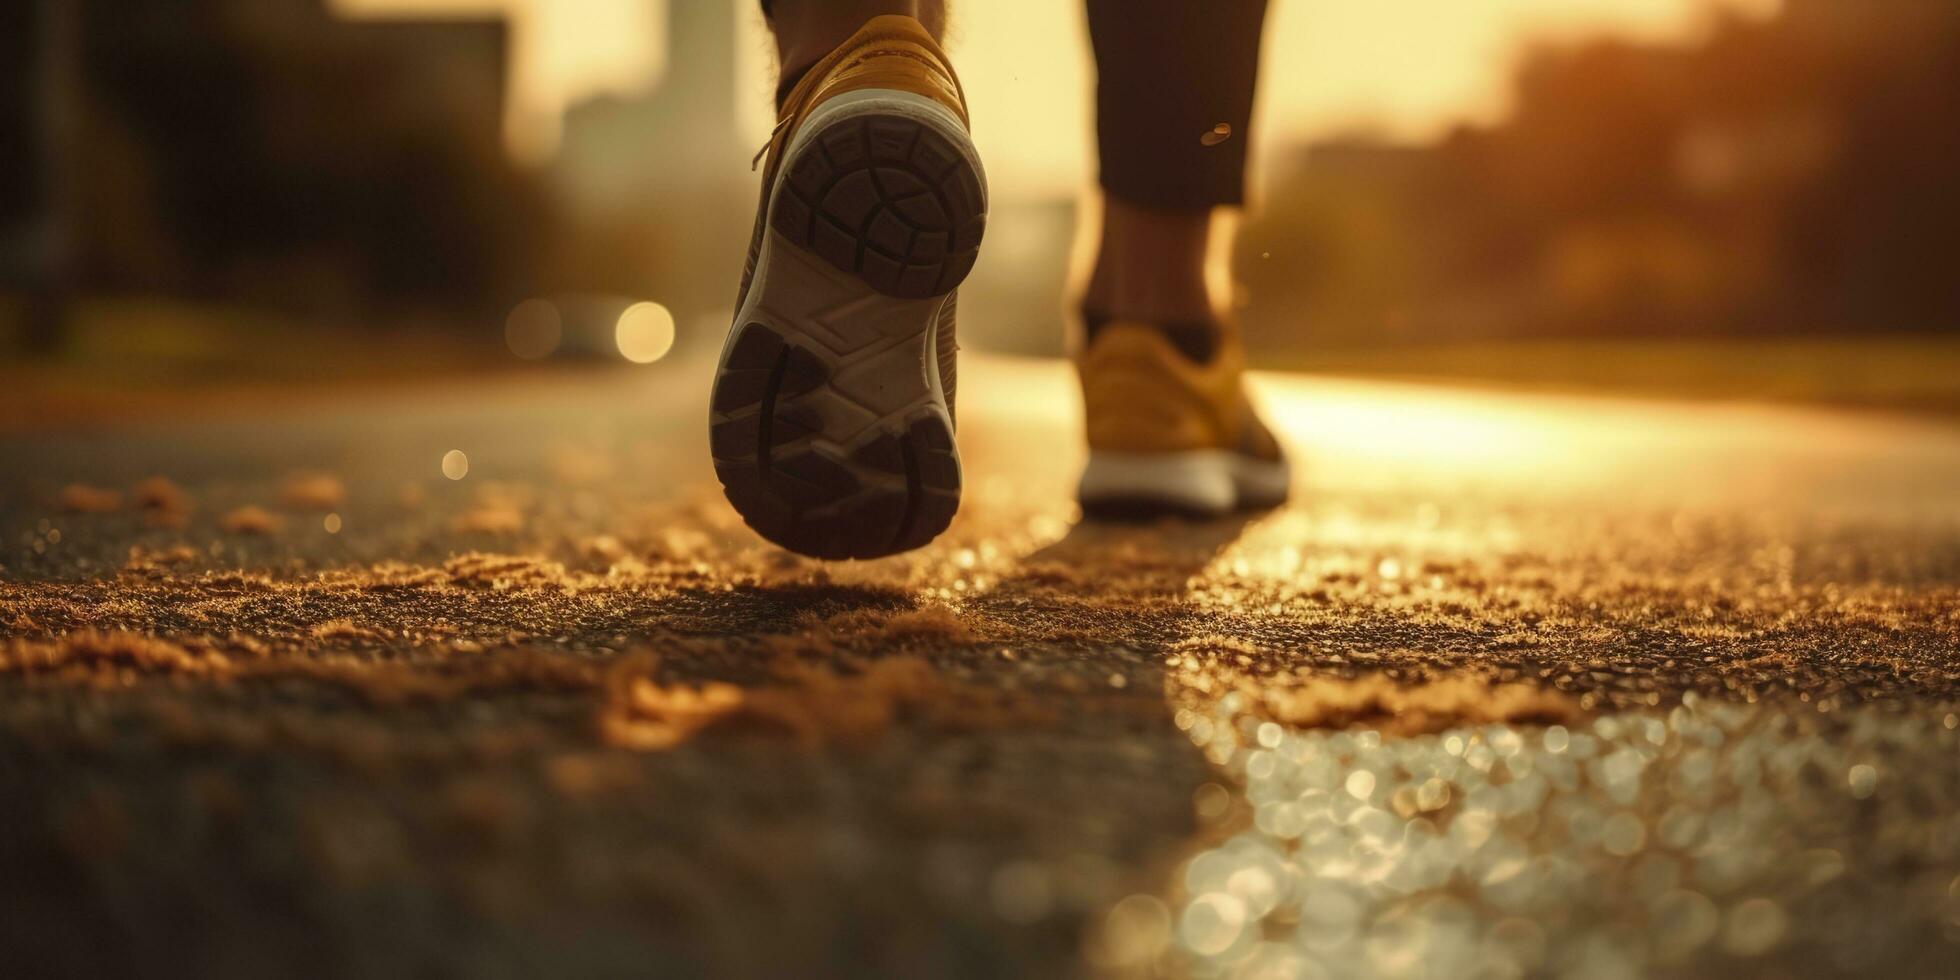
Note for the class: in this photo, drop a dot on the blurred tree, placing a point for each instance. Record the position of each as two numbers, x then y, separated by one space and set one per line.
1787 175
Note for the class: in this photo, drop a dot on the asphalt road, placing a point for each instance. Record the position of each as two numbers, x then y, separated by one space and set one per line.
1516 685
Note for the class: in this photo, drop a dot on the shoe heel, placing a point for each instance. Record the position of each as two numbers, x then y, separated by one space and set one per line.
895 489
885 194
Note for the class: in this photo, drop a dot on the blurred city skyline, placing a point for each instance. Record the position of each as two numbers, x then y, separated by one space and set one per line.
1558 170
1404 70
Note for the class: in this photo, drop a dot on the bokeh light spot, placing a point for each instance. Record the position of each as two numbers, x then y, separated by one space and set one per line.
1863 779
1212 924
534 329
1755 927
645 333
1135 931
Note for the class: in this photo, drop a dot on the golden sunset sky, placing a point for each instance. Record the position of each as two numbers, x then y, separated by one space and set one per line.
1405 68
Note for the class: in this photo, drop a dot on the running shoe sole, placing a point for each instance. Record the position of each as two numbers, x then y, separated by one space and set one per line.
830 429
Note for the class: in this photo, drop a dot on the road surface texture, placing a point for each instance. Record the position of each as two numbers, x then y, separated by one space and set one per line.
487 681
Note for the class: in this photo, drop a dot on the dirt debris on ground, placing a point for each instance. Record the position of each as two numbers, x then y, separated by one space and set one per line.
251 519
163 503
80 498
313 491
611 713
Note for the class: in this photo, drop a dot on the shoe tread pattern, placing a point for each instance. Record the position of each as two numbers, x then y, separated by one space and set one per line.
887 198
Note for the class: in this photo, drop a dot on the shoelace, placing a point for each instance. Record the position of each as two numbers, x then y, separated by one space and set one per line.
781 124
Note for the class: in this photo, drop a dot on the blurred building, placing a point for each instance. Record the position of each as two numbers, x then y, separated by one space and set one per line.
1015 301
655 186
645 149
267 152
22 121
32 244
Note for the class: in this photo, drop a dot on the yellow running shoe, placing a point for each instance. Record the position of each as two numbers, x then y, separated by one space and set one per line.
832 413
1168 434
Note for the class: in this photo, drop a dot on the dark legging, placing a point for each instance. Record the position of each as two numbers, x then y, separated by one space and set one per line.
1169 72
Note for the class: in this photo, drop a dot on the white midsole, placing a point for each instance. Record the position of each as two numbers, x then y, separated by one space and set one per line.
1214 481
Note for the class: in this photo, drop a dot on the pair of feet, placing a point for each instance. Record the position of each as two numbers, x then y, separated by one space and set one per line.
832 411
